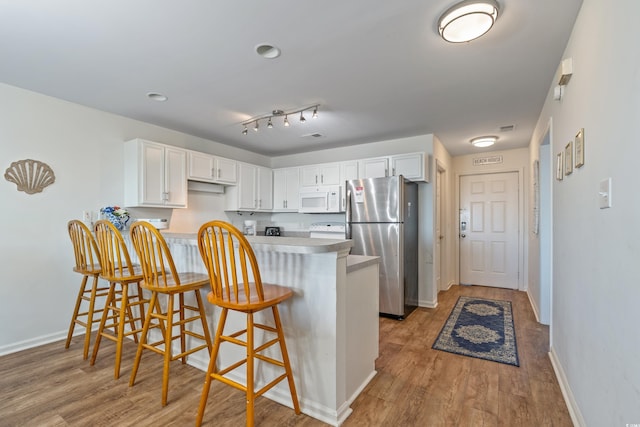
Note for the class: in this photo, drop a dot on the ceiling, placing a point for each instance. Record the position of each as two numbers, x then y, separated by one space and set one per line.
378 69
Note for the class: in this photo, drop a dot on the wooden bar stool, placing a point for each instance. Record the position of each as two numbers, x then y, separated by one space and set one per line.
160 277
120 272
229 258
88 264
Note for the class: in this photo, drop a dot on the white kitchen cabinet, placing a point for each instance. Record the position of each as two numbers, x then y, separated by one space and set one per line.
286 189
413 166
254 189
208 168
348 171
374 168
155 175
321 174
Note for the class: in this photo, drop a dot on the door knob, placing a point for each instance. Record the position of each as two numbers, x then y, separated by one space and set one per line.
463 235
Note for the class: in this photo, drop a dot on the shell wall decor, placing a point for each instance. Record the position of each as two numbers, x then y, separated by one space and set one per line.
30 176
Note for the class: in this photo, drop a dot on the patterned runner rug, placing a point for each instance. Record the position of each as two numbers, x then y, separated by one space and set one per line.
481 328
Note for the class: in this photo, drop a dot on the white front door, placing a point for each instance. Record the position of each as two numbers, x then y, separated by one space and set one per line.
489 230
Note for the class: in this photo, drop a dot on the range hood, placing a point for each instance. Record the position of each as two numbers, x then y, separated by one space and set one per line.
205 187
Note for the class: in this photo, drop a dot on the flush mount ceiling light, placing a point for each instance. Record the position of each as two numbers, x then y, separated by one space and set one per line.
484 141
279 113
467 20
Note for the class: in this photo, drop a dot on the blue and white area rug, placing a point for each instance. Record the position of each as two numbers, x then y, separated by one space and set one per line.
481 328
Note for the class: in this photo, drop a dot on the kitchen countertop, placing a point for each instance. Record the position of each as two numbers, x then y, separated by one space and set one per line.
356 262
301 245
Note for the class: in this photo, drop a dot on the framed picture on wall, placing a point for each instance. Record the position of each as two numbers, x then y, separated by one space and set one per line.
568 158
580 148
559 167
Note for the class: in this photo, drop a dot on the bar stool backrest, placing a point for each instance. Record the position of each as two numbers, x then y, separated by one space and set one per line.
85 249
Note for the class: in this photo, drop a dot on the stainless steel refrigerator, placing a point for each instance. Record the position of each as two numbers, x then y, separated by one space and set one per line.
382 220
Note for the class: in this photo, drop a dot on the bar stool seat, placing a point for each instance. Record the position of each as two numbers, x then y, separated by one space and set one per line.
236 285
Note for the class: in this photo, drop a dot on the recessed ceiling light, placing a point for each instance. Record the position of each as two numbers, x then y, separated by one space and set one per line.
484 141
468 20
268 51
157 96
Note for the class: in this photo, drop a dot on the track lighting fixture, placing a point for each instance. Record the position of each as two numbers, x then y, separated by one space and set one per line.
280 113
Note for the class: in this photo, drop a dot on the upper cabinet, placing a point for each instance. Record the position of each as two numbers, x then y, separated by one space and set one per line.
323 174
348 171
286 189
413 166
155 175
374 168
208 168
254 190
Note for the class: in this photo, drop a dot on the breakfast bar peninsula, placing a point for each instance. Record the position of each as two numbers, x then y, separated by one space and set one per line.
330 324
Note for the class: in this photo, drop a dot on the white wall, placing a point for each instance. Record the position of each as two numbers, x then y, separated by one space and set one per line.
84 148
594 323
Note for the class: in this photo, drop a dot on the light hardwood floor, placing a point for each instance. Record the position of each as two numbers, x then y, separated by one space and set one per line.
415 385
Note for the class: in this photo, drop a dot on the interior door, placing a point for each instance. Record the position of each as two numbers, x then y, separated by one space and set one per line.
488 226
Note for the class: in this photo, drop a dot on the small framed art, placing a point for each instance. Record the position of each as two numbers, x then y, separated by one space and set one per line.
568 158
579 148
559 167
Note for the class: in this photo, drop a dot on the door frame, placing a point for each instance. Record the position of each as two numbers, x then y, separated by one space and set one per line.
522 272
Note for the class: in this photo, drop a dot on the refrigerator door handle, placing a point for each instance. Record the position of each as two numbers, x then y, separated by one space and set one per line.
347 214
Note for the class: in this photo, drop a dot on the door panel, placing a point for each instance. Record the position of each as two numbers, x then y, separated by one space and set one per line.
489 230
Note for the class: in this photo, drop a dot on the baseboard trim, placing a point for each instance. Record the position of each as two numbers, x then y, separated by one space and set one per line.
572 405
38 341
533 305
428 304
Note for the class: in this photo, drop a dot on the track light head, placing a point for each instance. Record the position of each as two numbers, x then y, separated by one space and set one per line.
286 121
315 112
255 128
269 124
302 119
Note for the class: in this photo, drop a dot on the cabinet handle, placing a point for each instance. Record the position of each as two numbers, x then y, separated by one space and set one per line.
393 171
218 173
213 173
322 178
316 179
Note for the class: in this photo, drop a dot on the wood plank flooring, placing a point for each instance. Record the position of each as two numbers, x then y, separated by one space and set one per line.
415 385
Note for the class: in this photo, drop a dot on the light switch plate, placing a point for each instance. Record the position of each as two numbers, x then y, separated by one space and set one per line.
605 193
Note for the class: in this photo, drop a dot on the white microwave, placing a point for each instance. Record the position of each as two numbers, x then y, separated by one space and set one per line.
321 199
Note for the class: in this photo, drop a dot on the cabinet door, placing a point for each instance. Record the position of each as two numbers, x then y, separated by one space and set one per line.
264 188
310 175
175 186
348 171
201 166
280 189
247 198
374 168
152 177
225 171
330 174
292 189
411 166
